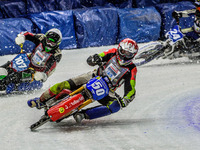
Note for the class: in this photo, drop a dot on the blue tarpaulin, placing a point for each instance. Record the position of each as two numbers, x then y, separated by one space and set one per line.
63 20
120 3
96 27
36 6
168 22
104 24
147 3
1 16
9 28
68 4
12 8
75 4
142 25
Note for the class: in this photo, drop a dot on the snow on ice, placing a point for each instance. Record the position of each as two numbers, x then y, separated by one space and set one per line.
163 116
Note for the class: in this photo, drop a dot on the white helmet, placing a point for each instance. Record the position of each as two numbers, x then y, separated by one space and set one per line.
53 39
126 51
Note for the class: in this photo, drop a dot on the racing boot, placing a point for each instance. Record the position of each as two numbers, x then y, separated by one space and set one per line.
35 103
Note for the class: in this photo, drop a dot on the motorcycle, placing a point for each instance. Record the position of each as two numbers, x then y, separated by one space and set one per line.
177 45
20 63
67 104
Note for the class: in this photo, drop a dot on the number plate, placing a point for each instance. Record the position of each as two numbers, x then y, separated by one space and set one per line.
20 62
98 87
175 34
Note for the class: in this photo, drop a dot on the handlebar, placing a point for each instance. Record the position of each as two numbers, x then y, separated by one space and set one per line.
176 16
21 46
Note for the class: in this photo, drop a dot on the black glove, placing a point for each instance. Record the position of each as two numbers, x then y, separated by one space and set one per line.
125 101
176 15
94 60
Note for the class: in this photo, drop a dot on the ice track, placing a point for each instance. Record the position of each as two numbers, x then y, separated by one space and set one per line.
165 114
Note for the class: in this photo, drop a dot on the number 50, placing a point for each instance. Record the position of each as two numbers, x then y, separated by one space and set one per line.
98 88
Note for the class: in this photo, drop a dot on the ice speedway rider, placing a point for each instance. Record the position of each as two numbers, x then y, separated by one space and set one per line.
194 31
119 61
46 47
192 34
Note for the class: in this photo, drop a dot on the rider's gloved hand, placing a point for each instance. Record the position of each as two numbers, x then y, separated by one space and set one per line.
125 101
40 76
97 59
94 60
176 15
20 39
35 102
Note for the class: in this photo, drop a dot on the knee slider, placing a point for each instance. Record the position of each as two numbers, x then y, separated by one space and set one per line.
114 107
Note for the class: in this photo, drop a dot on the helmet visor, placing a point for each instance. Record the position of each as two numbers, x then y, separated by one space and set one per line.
125 53
51 42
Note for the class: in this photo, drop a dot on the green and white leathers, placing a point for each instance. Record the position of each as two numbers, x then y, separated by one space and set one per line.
53 39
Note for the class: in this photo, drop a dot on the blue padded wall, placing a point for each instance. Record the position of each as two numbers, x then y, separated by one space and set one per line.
13 8
168 21
63 20
1 15
96 27
9 28
35 6
142 25
74 4
106 24
147 3
120 3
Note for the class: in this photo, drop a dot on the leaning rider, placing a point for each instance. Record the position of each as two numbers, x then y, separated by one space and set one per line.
193 32
46 47
120 60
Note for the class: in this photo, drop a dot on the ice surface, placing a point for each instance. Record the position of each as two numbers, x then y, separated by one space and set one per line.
163 116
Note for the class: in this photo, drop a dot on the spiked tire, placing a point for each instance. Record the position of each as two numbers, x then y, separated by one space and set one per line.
39 123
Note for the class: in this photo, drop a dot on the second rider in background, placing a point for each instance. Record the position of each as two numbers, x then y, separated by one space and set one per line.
193 32
43 58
